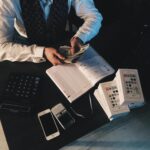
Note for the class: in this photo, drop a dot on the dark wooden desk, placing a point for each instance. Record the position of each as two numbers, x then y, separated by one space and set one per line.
23 131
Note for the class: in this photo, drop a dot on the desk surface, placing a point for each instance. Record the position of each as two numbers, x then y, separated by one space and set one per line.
23 132
131 132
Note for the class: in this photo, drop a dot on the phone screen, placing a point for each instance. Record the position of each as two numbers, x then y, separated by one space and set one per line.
48 124
66 119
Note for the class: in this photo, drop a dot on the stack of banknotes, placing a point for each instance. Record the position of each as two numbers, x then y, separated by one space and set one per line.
69 58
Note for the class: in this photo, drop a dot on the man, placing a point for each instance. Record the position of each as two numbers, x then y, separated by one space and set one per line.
40 25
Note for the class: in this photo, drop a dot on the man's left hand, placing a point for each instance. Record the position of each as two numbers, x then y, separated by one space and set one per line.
76 44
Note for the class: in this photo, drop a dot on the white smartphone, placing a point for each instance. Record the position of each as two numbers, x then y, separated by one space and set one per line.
64 118
48 124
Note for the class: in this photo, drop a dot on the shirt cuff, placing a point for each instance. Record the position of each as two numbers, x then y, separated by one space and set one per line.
38 55
81 36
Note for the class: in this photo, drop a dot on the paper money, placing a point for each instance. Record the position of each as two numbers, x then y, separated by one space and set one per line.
65 51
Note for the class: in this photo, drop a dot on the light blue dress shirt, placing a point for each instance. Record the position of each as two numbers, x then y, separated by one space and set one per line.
45 4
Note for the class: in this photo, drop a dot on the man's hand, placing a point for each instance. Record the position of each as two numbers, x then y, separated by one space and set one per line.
53 56
76 44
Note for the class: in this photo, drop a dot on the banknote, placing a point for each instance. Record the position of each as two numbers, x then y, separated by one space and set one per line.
65 51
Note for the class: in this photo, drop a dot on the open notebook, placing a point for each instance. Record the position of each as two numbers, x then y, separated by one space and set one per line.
75 79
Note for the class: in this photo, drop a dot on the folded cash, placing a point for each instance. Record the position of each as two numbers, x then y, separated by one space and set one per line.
65 51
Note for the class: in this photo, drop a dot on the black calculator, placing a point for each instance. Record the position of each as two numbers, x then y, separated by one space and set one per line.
20 92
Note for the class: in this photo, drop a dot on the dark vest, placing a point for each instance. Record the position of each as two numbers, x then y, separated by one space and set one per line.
40 31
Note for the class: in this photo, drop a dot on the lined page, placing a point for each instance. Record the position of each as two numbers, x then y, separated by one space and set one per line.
69 80
93 66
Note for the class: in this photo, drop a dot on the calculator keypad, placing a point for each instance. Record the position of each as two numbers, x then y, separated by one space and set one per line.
22 86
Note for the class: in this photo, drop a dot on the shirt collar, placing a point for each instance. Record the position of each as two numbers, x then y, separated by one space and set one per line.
47 1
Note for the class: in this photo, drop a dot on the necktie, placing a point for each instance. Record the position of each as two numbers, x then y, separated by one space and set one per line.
58 18
40 31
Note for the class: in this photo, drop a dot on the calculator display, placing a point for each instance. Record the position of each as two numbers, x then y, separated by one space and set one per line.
15 108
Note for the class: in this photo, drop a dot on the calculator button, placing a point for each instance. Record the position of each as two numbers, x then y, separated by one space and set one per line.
33 93
37 78
26 96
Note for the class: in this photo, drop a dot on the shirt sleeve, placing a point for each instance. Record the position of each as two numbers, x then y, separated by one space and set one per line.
10 50
86 10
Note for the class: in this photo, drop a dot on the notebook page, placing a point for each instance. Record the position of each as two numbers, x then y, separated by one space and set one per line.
69 80
93 66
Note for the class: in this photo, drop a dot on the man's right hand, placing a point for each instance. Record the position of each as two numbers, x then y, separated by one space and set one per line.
53 56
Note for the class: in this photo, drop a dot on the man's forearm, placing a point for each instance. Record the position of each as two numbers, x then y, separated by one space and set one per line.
18 52
92 20
89 29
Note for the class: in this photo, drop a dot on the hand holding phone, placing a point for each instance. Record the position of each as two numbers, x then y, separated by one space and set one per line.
48 124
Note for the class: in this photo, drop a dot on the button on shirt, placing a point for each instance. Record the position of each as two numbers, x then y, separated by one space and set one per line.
11 20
